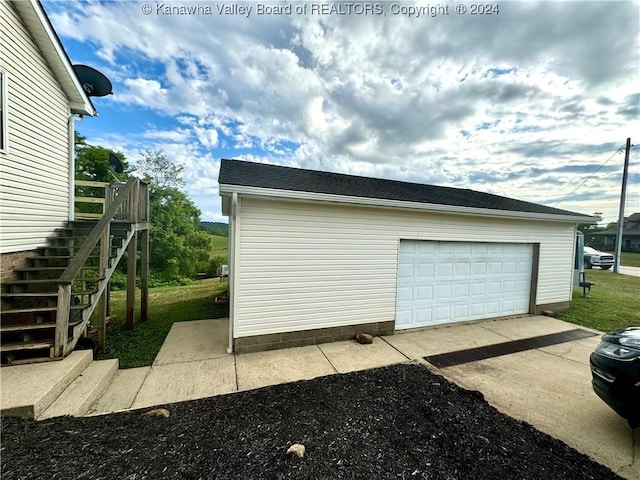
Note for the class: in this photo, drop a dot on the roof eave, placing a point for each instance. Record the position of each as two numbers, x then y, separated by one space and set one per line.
381 202
43 34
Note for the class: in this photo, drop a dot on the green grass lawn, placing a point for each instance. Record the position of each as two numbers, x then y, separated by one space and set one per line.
629 259
614 302
167 305
219 246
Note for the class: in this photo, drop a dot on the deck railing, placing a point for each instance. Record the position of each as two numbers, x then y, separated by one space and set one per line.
124 202
136 211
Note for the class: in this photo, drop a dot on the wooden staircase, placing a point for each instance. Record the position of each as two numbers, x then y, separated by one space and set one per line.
46 309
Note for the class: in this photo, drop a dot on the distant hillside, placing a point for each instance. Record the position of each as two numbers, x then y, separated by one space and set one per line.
215 228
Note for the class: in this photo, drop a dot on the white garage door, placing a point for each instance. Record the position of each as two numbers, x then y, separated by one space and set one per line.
442 282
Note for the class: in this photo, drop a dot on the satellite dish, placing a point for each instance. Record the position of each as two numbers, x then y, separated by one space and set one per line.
116 163
94 83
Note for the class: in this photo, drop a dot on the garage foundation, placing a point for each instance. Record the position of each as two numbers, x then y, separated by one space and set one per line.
275 341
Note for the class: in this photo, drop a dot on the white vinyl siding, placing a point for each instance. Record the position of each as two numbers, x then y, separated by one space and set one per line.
34 170
306 265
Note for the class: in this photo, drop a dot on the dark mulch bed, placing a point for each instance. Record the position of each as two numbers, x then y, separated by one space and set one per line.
395 422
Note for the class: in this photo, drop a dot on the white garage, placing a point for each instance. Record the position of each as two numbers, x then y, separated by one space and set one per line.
316 256
444 282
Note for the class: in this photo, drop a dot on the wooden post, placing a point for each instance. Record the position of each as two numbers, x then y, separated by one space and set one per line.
105 251
144 274
62 321
102 321
132 252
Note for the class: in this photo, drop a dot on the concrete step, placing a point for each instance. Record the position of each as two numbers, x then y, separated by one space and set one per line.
28 390
83 391
122 391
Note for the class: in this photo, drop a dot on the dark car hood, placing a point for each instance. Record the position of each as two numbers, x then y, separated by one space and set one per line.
628 337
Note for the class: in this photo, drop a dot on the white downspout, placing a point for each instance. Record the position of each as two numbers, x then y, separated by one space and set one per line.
234 220
72 166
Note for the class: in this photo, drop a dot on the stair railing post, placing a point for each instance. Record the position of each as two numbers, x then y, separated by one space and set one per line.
132 253
105 250
132 260
62 321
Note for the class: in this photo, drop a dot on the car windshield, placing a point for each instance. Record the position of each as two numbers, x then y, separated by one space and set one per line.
590 250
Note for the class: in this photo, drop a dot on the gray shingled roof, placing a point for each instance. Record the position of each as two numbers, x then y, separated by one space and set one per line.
238 172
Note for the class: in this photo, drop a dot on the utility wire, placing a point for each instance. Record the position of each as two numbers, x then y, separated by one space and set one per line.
620 150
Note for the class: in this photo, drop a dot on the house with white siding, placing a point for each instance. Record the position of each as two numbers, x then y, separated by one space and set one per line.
39 97
317 256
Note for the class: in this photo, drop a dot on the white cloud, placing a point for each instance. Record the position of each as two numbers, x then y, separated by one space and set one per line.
493 103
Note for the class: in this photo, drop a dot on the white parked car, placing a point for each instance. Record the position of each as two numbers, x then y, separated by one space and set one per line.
595 258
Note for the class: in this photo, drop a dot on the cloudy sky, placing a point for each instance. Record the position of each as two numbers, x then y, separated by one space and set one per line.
526 102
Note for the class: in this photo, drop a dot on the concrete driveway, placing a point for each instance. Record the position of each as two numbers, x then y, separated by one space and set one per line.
633 271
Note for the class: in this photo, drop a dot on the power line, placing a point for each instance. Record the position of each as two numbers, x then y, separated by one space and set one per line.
619 150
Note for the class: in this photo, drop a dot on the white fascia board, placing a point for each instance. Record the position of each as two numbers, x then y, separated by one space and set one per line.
381 202
38 24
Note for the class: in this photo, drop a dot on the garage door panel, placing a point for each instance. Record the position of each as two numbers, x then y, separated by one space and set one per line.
425 269
405 271
494 288
476 309
444 248
403 319
443 313
463 268
405 294
460 311
407 247
425 248
445 269
494 268
462 290
441 282
444 291
424 292
479 268
424 314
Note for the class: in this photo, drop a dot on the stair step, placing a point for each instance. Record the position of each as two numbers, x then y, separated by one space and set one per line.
83 391
44 294
27 390
23 328
122 391
53 308
51 269
20 346
42 281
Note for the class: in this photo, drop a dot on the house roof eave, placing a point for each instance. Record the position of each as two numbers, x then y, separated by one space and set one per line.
37 22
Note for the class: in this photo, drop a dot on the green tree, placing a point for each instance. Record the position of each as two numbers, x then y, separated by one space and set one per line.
177 247
92 162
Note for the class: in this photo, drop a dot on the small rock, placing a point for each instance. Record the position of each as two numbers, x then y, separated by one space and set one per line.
548 313
364 338
296 448
157 412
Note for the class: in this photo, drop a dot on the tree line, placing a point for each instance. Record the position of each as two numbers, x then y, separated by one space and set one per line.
178 247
